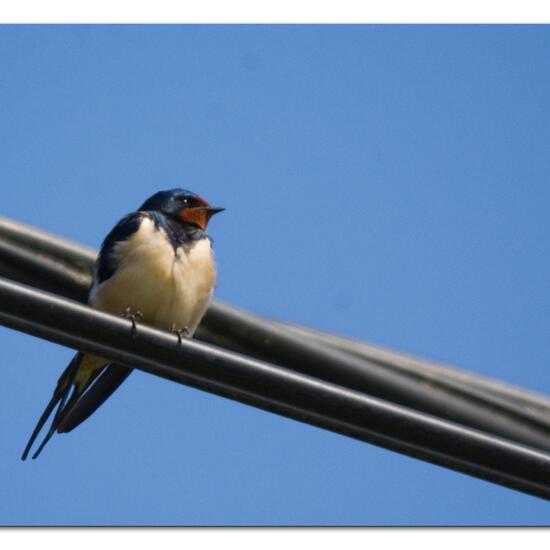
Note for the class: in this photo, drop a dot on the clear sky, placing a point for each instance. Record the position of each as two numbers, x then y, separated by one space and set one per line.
386 183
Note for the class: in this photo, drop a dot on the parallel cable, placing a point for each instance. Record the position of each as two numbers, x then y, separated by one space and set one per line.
276 389
80 258
461 397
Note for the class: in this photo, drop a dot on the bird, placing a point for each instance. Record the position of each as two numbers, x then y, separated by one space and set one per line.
157 267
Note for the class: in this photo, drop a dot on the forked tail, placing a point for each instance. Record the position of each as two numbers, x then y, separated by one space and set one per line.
65 385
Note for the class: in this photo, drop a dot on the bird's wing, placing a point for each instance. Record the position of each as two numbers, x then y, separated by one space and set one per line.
71 384
74 403
107 261
98 392
113 375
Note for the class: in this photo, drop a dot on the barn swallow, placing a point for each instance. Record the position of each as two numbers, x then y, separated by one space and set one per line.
156 265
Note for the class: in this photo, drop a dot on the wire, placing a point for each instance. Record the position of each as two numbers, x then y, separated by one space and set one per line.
319 360
73 255
30 266
52 247
428 369
461 397
275 389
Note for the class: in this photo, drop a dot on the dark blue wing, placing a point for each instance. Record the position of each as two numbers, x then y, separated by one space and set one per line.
104 382
110 378
107 261
107 382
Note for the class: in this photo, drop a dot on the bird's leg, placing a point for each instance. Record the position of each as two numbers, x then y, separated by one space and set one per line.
181 332
134 317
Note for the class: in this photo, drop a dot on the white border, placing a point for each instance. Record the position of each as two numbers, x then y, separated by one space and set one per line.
282 11
272 11
273 539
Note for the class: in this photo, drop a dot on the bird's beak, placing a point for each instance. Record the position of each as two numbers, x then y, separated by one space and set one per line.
214 210
200 215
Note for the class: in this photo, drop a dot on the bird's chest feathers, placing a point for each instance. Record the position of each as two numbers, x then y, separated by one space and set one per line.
166 285
194 269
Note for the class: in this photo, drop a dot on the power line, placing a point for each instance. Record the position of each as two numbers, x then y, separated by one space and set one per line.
319 378
275 389
63 267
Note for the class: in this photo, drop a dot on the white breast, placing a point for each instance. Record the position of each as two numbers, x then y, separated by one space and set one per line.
168 288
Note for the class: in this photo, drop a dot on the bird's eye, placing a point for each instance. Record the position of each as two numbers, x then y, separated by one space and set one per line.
190 202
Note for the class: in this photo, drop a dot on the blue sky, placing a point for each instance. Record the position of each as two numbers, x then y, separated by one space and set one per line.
386 183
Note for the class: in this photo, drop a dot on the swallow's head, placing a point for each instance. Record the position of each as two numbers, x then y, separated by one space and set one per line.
182 206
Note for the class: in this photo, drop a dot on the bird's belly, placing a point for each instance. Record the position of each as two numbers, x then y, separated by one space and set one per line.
169 289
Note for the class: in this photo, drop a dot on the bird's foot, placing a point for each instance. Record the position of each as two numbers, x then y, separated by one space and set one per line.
134 317
181 332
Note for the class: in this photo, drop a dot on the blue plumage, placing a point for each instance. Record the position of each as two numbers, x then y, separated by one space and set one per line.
107 261
163 208
169 201
157 260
